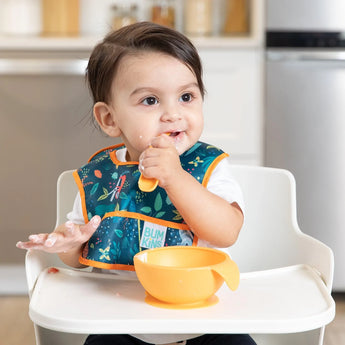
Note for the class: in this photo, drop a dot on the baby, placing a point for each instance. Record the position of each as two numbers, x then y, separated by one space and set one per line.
146 83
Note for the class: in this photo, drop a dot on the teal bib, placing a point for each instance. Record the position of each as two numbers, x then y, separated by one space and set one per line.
133 220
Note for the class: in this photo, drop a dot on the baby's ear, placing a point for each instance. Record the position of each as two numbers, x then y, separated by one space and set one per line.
106 119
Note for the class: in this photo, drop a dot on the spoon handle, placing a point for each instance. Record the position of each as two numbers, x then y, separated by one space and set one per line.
148 184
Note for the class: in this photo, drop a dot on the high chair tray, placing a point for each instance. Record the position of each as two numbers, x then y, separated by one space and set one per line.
283 300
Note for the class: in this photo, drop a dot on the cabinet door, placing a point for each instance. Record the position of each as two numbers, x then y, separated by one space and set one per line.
233 103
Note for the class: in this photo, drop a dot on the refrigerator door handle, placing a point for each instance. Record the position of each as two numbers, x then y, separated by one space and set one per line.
42 66
327 58
306 56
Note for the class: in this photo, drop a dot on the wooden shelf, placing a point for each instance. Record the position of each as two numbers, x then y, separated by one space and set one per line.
86 43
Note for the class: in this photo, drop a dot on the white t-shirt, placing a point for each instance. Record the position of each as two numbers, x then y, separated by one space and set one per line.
221 183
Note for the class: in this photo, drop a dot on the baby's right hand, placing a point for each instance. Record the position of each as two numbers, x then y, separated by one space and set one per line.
63 239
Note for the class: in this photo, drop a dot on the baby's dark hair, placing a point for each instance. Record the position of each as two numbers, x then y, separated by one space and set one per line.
135 39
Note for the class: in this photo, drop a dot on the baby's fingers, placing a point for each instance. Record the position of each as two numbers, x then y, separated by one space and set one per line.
88 229
162 141
35 242
51 239
71 235
64 238
38 238
76 232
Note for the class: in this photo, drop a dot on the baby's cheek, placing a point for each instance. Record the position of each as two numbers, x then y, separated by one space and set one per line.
142 142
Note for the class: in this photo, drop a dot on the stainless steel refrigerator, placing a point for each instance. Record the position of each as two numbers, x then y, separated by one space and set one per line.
305 113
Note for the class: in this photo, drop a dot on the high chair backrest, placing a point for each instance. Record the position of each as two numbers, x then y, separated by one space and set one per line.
36 261
270 228
66 192
271 237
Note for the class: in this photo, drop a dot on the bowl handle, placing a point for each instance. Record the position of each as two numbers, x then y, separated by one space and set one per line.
229 271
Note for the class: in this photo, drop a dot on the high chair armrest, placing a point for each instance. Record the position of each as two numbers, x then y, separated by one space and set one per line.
35 262
318 256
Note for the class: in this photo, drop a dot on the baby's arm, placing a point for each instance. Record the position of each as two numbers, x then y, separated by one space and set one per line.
211 218
67 240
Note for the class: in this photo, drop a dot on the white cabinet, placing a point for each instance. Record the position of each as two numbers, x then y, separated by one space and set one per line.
233 103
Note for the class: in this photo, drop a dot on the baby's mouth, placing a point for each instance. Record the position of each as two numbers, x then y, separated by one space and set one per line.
174 134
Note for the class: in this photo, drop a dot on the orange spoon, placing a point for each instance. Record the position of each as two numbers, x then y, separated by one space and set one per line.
148 184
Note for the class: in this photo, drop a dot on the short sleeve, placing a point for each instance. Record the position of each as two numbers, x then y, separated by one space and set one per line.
223 184
76 215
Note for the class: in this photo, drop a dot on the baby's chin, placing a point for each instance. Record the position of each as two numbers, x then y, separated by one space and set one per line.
180 148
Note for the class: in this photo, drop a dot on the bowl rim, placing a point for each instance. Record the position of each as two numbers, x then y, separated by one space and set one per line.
214 250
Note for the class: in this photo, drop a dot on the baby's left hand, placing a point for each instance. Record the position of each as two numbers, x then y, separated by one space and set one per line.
161 161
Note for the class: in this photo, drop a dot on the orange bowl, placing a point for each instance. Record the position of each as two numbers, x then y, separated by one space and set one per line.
184 275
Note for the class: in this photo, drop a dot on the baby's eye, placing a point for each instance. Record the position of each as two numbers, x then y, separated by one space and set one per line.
186 97
150 101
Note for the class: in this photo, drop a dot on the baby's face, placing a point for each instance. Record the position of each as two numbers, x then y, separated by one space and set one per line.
152 94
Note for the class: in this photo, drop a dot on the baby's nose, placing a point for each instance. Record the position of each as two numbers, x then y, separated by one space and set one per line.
171 116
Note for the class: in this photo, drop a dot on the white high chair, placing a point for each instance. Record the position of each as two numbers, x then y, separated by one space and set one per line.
272 253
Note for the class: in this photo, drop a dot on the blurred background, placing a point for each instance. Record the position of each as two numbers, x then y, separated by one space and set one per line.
274 73
46 108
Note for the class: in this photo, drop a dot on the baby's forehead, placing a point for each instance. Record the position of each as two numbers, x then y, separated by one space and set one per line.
152 71
140 55
136 61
